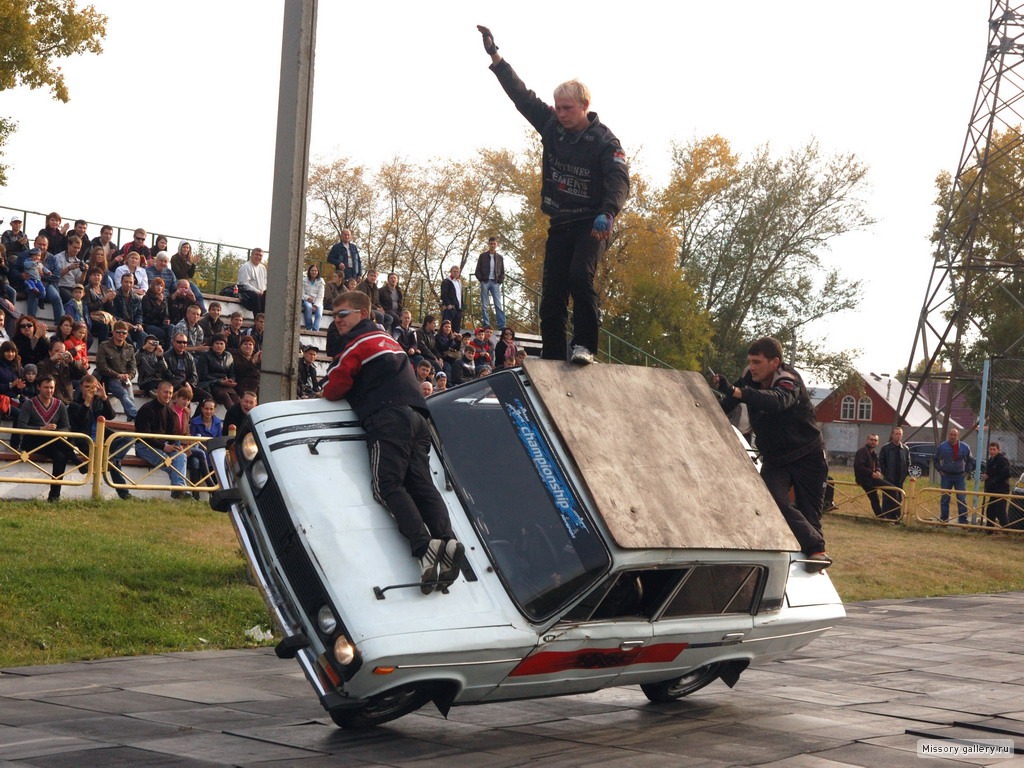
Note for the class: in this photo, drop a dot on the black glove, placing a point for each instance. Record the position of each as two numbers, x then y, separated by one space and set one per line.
489 45
723 384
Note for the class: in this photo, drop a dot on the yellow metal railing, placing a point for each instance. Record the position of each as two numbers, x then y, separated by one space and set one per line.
37 463
926 509
97 461
851 500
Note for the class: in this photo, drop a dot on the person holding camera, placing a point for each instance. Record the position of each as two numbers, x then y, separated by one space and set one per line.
68 268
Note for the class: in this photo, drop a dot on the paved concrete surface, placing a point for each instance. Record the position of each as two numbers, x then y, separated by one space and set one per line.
863 695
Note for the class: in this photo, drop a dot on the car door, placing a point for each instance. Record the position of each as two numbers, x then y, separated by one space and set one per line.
576 658
709 610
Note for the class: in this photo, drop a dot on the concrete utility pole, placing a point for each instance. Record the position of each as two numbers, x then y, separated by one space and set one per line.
288 213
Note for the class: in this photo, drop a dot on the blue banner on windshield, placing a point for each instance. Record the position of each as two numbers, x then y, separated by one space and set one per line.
547 468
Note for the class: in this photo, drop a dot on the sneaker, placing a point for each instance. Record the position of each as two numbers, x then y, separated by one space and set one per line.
451 559
581 355
429 566
817 562
177 495
124 496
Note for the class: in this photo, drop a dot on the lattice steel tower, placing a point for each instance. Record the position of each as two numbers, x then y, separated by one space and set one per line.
980 245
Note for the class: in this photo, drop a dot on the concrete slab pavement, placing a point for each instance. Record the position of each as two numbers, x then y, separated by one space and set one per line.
863 695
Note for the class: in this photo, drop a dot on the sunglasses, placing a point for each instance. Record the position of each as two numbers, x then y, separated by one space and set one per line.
344 312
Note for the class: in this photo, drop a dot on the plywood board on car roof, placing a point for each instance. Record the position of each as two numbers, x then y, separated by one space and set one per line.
659 457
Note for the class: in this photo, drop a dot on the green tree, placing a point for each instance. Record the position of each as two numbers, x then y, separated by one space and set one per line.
34 36
751 233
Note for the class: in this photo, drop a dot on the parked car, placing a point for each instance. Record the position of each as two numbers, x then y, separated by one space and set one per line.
921 457
601 549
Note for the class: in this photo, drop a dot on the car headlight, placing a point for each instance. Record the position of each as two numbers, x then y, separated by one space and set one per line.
344 653
249 448
326 621
258 475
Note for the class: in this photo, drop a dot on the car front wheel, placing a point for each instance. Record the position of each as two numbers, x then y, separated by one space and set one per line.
385 707
916 470
671 690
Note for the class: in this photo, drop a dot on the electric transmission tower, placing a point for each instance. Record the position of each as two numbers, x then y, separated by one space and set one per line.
980 243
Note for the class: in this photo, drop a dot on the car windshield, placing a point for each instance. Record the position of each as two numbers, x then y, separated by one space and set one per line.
543 543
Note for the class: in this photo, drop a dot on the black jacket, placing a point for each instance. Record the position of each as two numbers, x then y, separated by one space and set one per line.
894 461
781 416
584 174
997 474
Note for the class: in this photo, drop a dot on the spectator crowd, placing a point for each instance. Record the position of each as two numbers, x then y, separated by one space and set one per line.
138 312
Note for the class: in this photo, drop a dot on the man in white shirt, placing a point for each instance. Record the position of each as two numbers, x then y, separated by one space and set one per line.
252 282
451 299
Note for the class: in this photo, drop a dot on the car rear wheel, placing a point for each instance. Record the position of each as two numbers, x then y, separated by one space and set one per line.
671 690
385 707
915 470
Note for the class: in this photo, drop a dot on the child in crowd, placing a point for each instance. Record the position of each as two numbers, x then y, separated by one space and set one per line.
31 388
35 273
468 362
482 347
440 382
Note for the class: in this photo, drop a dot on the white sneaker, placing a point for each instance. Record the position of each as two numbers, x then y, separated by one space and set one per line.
581 355
429 565
451 558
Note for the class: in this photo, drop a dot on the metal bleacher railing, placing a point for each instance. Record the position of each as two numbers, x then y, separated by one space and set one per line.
33 221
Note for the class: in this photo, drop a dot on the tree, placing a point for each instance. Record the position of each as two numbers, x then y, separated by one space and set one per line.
751 234
34 36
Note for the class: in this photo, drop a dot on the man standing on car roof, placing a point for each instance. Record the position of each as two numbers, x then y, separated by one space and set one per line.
792 450
584 185
372 372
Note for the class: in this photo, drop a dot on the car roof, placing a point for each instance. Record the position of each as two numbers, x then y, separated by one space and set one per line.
659 458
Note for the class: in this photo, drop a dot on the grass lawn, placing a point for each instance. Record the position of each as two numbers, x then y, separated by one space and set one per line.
84 580
81 580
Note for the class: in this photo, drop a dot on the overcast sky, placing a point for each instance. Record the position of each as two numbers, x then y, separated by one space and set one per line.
172 127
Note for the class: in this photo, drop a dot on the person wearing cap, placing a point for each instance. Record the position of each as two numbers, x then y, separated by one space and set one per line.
483 348
15 239
307 383
440 382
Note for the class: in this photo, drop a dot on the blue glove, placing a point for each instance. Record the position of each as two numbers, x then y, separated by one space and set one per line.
603 223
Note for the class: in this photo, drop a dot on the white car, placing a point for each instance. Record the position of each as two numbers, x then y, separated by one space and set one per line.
616 533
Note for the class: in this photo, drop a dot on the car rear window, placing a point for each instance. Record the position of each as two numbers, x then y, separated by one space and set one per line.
542 541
